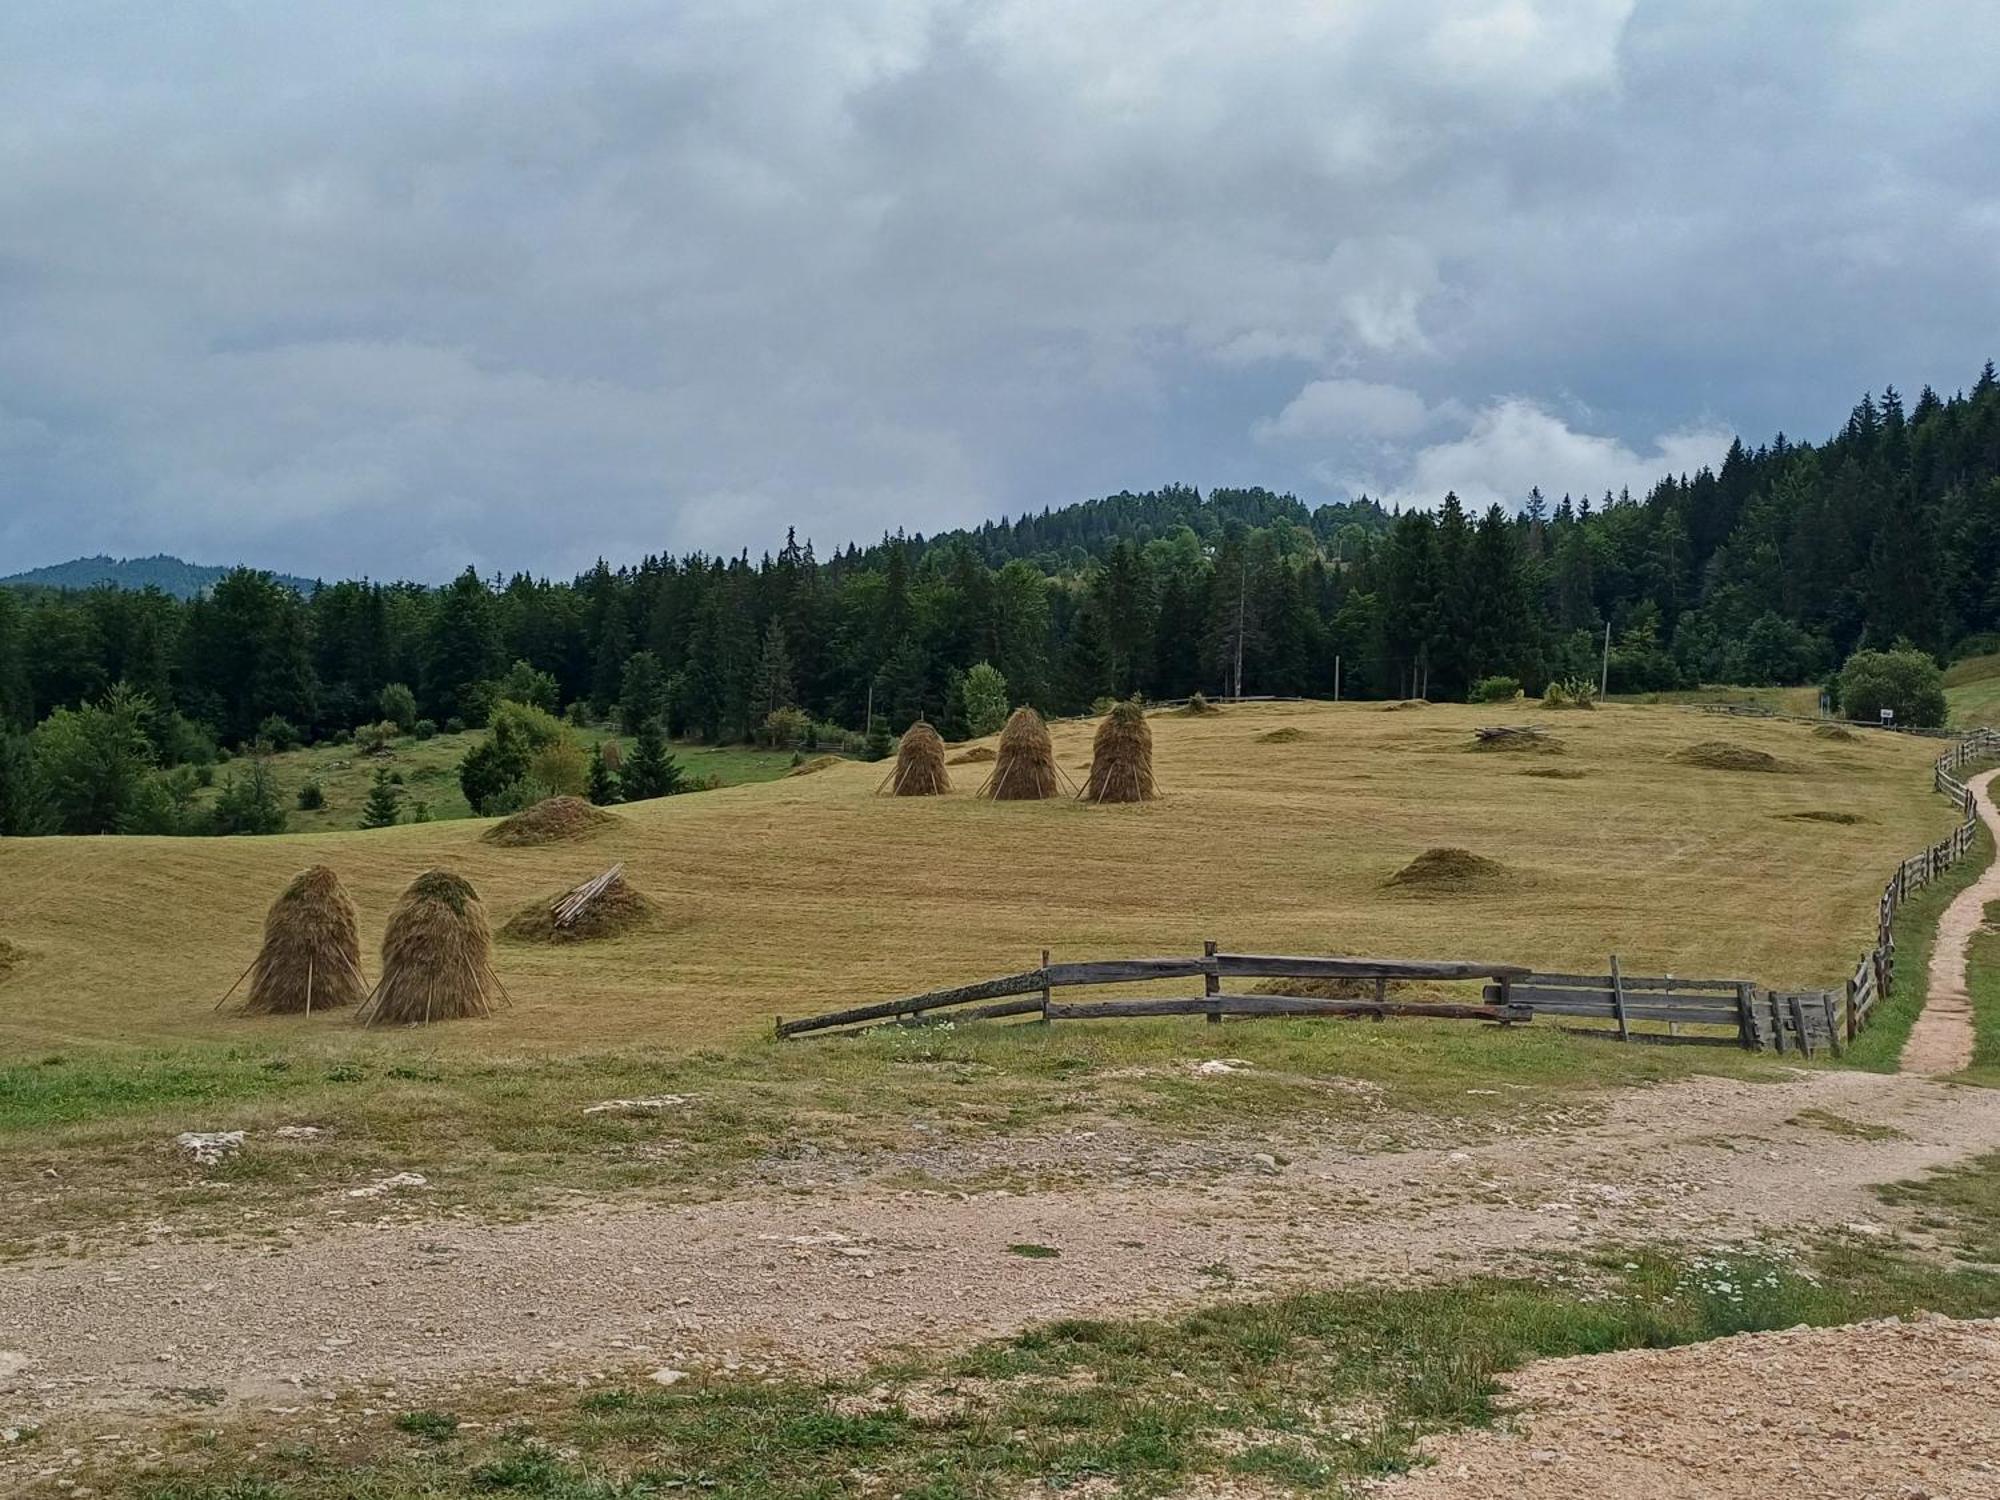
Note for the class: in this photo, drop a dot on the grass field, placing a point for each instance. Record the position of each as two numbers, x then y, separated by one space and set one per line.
429 769
1972 691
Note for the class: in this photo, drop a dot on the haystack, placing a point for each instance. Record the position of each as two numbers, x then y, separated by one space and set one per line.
1451 870
605 906
437 956
1024 770
553 820
817 764
1833 732
1726 755
1196 707
1121 758
919 768
1529 739
1291 734
978 755
311 958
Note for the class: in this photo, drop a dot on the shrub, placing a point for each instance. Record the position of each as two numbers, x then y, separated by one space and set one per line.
1496 690
1906 681
312 797
248 801
1571 692
561 767
507 755
185 743
523 684
985 693
454 726
424 729
373 739
786 727
879 742
399 706
278 732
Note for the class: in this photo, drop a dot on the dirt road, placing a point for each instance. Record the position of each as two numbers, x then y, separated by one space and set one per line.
1941 1041
833 1277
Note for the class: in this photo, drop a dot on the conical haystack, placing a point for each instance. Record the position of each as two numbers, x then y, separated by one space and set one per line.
311 958
437 956
920 768
1121 758
1025 768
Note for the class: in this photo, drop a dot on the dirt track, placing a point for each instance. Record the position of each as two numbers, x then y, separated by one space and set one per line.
833 1278
1941 1040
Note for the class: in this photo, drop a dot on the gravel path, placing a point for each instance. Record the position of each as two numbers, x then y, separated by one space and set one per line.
1876 1411
832 1278
1941 1040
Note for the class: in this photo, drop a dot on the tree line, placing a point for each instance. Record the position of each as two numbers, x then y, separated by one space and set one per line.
1772 568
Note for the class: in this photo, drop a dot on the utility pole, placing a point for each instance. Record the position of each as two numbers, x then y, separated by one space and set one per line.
1242 597
1604 675
1336 679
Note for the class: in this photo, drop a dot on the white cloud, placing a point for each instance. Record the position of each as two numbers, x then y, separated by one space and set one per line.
1340 409
1515 444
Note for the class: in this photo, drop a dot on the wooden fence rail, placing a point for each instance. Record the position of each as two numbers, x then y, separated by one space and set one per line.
1718 1012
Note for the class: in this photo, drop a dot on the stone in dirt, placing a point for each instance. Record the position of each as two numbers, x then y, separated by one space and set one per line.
390 1185
666 1376
1215 1067
208 1147
298 1132
652 1104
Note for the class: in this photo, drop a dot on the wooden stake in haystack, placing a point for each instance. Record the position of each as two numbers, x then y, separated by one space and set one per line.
1025 769
1121 758
919 768
311 956
574 902
437 956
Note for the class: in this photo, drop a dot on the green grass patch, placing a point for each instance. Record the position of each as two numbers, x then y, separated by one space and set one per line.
1879 1049
1982 985
1034 1252
437 1426
1856 1130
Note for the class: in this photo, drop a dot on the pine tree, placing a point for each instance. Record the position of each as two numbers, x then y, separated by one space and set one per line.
385 802
649 771
603 784
772 687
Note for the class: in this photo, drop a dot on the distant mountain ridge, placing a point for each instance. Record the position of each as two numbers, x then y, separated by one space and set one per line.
170 575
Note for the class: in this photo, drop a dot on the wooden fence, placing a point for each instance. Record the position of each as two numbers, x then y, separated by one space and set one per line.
1723 1012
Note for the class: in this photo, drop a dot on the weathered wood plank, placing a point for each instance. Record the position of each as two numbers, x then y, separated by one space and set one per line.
1281 966
986 989
1124 971
1271 1005
1669 982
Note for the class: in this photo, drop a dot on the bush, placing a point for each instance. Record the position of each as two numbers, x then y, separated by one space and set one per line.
248 802
399 706
562 768
879 742
454 726
1496 690
185 743
373 739
424 729
786 727
278 732
312 797
1571 692
507 755
1907 682
985 694
523 684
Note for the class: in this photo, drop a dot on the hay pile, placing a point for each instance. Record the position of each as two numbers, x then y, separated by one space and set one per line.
1726 755
1516 739
553 820
618 909
1024 770
1121 758
1554 773
978 755
311 958
1289 735
1823 815
437 956
919 768
1196 707
1446 870
1390 708
817 763
1833 732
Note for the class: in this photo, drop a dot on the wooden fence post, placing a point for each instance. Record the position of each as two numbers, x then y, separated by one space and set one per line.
1045 986
1832 1021
1211 983
1777 1021
1799 1026
1746 1018
1853 1026
1618 1001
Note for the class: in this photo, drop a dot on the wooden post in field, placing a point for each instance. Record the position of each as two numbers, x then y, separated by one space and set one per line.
1336 679
1045 986
1853 1026
1211 983
1746 1018
1618 1001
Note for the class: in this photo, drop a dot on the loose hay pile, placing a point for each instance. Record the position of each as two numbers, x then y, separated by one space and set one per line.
1121 758
1823 815
1833 732
978 755
1403 703
1520 739
816 764
1554 773
1289 735
919 768
311 957
1024 770
1196 707
437 956
1452 870
581 915
1726 755
553 820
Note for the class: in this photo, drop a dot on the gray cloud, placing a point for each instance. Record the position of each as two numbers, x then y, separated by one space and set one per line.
390 288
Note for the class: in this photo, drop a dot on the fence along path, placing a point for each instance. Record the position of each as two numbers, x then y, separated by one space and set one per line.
1724 1012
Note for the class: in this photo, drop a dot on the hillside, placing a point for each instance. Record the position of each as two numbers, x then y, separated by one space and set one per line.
170 575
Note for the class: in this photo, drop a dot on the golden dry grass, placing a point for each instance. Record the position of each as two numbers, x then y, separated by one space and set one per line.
813 892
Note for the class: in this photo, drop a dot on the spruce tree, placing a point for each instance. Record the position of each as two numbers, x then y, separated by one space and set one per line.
385 801
650 770
603 784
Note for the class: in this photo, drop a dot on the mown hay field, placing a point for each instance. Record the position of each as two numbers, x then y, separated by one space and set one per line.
812 892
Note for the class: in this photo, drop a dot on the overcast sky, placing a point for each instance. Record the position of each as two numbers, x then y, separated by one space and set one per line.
392 287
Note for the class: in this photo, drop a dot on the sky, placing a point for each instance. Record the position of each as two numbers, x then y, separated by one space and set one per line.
391 287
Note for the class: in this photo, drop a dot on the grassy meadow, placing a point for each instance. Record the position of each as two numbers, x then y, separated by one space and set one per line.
1972 691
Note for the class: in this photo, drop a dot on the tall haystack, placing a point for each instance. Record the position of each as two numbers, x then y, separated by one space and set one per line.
1025 768
920 768
311 957
437 956
1121 758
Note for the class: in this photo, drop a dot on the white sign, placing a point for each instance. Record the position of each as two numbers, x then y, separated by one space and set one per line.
1888 716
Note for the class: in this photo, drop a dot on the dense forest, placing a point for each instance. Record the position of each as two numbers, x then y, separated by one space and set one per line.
1771 569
